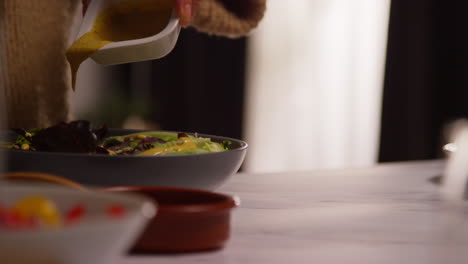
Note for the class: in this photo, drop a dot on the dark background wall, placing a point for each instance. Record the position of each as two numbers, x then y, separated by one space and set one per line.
426 79
199 87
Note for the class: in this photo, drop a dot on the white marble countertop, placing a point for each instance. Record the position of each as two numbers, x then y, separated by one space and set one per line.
390 213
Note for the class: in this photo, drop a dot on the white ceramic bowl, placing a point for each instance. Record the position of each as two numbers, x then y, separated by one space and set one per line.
134 50
96 238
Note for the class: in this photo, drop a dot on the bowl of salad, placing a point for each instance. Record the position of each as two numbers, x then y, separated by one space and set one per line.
111 157
50 224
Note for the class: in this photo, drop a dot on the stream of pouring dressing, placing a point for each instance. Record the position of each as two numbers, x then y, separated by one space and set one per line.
125 20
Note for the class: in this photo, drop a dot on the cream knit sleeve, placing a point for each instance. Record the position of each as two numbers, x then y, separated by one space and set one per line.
229 18
34 74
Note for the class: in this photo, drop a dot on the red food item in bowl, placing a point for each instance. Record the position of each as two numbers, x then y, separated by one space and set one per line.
75 214
12 219
116 211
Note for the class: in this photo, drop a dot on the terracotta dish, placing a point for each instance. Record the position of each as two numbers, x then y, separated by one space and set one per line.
188 220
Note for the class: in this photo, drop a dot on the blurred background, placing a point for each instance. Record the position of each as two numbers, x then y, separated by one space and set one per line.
320 84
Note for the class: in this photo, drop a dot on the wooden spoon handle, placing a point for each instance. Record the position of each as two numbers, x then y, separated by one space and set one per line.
44 177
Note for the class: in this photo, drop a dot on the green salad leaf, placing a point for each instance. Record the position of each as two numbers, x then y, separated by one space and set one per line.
80 137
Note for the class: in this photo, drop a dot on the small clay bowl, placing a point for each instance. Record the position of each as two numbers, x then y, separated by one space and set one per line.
188 220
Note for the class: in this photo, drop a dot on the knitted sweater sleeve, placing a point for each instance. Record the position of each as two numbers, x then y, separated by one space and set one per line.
34 75
229 18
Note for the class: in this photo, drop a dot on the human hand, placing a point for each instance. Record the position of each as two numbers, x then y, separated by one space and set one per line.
185 9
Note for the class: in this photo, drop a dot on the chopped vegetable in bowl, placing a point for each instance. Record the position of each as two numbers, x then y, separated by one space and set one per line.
36 212
79 137
160 143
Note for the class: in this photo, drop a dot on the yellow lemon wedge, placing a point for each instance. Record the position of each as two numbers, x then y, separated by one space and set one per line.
39 207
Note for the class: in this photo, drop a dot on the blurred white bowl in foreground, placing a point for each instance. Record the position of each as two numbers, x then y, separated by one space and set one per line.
96 238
